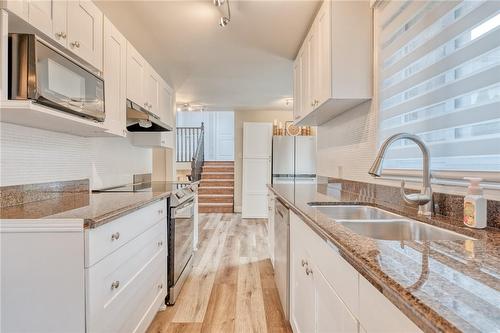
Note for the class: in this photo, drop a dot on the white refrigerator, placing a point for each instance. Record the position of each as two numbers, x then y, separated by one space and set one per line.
293 159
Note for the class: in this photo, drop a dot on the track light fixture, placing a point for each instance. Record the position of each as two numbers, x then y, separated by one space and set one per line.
224 20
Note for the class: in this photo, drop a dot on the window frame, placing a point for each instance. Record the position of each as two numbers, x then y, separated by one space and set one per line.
490 179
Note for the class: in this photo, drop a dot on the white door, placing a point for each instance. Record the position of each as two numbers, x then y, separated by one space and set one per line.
115 71
257 142
136 72
224 148
85 31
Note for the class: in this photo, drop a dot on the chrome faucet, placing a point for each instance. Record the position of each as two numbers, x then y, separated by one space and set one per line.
424 198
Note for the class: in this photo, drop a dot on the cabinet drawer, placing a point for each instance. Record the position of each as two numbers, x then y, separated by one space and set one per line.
122 287
103 240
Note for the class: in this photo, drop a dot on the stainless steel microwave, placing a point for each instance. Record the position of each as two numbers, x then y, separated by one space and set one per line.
39 72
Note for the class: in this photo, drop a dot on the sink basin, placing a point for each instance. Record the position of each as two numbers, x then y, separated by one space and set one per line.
355 212
400 230
379 224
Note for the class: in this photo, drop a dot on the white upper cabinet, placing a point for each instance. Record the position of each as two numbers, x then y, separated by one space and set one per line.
143 83
85 31
60 22
75 25
336 56
114 72
136 73
40 15
18 7
152 90
166 104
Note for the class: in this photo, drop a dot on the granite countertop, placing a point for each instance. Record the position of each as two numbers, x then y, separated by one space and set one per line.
94 209
442 286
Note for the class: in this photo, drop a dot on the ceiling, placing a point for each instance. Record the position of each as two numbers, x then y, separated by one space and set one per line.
246 65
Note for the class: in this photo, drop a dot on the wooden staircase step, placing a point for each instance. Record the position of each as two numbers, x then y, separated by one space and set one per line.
215 208
217 168
217 182
216 190
212 163
215 198
217 175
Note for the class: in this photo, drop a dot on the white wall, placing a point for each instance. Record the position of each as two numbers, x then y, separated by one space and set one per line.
30 155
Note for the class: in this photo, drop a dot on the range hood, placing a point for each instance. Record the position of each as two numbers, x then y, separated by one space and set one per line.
141 120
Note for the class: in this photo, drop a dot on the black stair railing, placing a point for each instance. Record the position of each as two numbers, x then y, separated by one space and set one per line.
190 148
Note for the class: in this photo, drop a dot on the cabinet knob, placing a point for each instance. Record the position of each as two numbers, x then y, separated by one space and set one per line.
61 34
160 286
304 263
115 236
75 44
160 243
115 284
160 211
308 271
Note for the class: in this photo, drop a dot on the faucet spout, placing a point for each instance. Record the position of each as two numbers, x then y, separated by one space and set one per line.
424 199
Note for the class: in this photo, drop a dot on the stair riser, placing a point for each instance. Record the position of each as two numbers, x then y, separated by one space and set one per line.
213 199
215 209
202 190
205 183
217 176
218 162
218 169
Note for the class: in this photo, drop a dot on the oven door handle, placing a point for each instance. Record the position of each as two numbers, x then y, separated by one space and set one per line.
185 204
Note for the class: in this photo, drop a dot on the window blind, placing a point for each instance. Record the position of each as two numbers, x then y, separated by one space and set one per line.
439 78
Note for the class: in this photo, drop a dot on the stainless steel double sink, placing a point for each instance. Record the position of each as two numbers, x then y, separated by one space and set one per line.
380 224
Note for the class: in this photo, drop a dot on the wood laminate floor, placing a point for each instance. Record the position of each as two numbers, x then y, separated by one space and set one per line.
231 287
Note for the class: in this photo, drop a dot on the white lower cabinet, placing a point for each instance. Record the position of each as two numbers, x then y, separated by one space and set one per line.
332 314
125 288
328 295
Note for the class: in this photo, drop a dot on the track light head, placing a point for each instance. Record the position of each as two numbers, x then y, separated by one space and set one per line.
224 21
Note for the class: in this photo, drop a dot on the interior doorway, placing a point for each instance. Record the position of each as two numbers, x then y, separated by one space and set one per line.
219 132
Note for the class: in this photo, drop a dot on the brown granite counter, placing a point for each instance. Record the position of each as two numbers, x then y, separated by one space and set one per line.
94 209
442 286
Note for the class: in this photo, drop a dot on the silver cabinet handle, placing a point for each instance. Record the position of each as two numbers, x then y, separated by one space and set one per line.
160 243
160 211
115 284
308 271
304 263
115 236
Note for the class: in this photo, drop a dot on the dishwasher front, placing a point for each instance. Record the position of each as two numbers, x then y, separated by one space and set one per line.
282 254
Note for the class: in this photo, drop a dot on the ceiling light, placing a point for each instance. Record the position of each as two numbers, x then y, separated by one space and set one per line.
224 21
187 107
